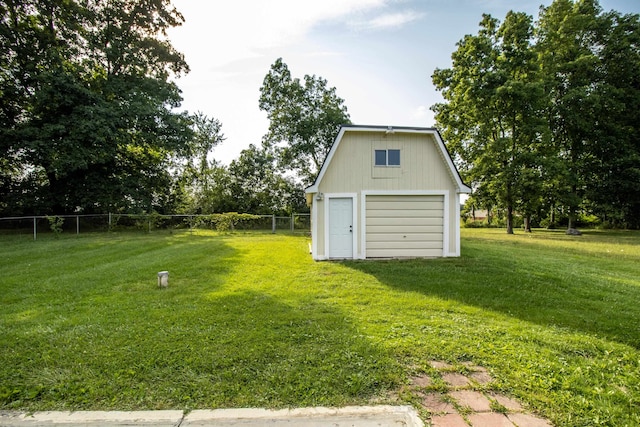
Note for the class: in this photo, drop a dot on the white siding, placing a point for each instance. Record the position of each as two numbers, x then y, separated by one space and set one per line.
404 226
352 167
424 169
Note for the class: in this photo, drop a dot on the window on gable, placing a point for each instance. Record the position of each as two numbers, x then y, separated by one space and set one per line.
393 157
387 157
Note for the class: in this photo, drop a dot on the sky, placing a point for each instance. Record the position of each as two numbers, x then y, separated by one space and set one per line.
378 54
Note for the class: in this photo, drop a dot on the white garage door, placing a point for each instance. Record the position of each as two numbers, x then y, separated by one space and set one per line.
404 226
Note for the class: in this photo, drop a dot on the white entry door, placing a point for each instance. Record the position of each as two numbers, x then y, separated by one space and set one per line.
340 227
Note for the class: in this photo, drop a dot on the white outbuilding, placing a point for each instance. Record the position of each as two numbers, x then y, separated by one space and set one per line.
386 192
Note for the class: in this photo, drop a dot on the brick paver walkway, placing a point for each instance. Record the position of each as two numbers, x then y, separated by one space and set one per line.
468 401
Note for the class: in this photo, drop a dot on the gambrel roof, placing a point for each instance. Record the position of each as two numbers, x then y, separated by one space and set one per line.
442 149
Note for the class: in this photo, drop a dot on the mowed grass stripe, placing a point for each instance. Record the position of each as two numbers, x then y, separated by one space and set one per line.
250 320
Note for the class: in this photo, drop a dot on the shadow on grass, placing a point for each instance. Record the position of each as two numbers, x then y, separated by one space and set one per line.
582 292
99 334
245 349
62 298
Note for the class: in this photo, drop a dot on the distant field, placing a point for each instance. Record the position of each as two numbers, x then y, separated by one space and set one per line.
250 320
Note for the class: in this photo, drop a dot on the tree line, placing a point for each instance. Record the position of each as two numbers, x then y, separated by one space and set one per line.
89 118
86 112
542 117
304 118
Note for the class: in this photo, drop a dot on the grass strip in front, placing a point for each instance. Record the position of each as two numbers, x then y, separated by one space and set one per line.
249 320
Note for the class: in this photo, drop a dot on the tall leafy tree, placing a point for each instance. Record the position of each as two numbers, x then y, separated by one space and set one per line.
88 103
544 117
571 69
250 184
35 40
197 176
613 191
258 186
210 193
522 99
491 117
304 119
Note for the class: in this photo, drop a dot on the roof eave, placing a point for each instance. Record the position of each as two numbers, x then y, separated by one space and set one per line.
462 188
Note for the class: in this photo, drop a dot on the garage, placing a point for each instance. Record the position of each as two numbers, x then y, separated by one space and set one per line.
386 192
404 226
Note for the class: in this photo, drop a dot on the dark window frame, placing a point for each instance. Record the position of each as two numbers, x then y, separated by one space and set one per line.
391 158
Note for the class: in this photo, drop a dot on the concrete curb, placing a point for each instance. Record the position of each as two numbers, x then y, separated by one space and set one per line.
351 416
92 418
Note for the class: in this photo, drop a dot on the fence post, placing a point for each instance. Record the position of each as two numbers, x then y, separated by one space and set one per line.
34 227
77 224
292 222
273 223
109 221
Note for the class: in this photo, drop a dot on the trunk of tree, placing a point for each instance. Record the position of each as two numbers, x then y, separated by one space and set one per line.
572 209
509 202
509 219
527 223
571 219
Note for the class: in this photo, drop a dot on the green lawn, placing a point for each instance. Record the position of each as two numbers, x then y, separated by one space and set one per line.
250 320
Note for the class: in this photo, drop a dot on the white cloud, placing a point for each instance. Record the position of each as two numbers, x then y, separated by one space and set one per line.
420 112
387 21
241 29
230 45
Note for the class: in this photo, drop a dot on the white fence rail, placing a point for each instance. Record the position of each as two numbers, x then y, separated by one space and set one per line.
38 224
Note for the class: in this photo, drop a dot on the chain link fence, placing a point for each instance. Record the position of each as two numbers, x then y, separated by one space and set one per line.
77 224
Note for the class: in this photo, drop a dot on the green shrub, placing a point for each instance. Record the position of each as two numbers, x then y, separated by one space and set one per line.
588 221
471 223
55 224
548 224
224 222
